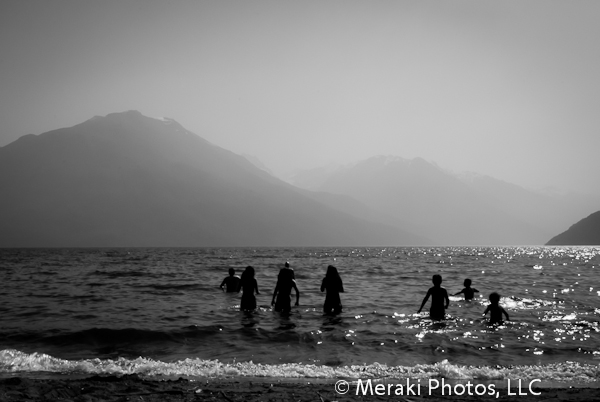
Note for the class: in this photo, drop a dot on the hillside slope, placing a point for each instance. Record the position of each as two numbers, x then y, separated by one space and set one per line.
586 232
130 180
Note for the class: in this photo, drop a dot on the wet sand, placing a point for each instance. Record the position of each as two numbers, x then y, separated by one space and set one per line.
133 388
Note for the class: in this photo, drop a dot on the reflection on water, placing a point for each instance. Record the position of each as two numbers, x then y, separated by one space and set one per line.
166 304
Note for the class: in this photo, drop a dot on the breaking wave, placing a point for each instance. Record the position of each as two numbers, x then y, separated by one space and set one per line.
14 362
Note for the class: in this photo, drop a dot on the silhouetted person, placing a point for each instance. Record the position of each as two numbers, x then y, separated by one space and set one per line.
468 291
495 310
332 283
231 282
248 285
283 290
438 297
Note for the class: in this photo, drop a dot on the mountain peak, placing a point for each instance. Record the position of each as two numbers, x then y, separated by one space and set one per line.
131 113
386 160
126 179
135 120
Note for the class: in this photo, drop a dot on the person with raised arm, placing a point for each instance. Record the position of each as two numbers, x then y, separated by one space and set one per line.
283 290
439 299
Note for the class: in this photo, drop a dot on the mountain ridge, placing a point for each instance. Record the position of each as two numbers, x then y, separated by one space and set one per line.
450 209
585 232
129 180
137 174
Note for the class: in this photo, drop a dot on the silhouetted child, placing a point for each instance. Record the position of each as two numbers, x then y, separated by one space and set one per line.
495 310
231 282
248 285
332 283
468 290
283 290
438 296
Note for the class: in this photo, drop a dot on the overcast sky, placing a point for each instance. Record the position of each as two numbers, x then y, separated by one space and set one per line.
505 88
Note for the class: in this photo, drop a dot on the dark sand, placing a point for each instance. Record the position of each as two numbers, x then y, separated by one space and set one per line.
133 388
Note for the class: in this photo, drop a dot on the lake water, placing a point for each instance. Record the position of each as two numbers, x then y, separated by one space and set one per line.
159 312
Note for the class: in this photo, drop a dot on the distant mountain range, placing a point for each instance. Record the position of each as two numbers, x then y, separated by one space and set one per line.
130 180
586 232
448 208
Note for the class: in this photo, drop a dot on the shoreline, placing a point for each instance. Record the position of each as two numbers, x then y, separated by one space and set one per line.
136 388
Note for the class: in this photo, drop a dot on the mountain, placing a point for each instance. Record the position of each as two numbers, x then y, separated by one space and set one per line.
586 232
450 210
129 180
257 162
548 212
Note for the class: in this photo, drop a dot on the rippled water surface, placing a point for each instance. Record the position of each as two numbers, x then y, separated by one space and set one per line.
93 310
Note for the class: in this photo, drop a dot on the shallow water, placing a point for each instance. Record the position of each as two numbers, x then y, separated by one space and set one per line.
161 312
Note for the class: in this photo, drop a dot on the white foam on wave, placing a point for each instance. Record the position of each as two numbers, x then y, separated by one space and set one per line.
16 362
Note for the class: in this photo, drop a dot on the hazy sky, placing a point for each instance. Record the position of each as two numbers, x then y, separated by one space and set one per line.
505 88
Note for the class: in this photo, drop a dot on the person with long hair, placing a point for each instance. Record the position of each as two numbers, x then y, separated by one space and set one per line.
332 283
248 285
